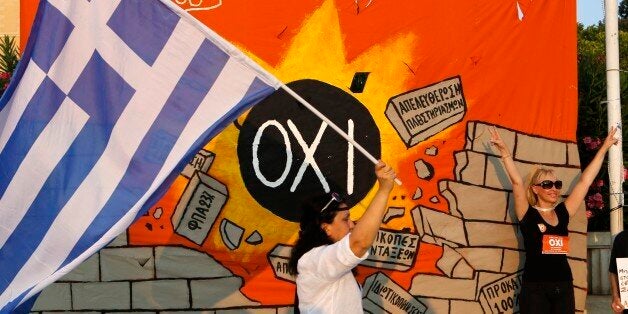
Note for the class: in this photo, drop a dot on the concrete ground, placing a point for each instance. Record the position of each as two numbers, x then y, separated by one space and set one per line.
598 304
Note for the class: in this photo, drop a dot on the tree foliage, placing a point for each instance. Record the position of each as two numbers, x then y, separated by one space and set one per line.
9 57
592 108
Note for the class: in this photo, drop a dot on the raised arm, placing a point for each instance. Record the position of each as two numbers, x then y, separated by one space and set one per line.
579 191
365 230
518 189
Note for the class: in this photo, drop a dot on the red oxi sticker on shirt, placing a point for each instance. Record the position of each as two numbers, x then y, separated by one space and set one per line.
555 244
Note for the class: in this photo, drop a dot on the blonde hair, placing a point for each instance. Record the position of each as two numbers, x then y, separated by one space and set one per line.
532 179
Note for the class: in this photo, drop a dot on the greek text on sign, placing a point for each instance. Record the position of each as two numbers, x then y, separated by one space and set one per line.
502 296
278 259
202 161
421 113
380 292
393 250
622 277
200 204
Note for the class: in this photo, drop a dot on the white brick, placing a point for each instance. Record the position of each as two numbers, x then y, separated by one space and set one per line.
493 235
573 156
478 203
581 297
101 296
219 293
57 297
579 222
540 150
435 306
484 259
160 294
466 307
384 294
578 245
180 262
470 167
89 270
134 263
120 240
579 273
513 261
285 310
453 265
443 287
478 138
440 224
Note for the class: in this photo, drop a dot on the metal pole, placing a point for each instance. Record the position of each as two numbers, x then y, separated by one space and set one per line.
615 156
332 125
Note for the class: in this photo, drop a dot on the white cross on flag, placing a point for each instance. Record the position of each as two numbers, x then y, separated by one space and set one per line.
110 101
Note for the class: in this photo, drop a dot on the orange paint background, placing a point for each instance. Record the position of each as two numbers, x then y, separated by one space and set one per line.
516 73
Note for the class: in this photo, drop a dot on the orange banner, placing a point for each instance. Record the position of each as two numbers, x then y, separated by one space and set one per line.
417 83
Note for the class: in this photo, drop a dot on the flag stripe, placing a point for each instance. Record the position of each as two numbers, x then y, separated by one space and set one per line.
51 39
196 81
134 110
36 116
82 43
206 113
74 166
9 117
129 21
38 164
138 119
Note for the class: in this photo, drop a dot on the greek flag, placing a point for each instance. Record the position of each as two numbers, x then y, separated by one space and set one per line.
110 101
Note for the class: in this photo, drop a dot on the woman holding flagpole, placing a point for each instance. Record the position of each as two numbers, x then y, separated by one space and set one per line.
330 245
547 280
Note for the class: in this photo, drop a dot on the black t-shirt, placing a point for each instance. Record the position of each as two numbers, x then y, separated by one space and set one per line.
544 267
620 249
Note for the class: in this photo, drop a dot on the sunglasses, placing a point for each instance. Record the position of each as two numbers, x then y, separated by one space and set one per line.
334 198
547 184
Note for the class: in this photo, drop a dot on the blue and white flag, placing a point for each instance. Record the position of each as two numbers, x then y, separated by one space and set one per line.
110 101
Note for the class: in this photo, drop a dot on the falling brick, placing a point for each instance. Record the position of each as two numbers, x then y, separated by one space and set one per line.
417 194
426 285
434 200
382 294
158 212
435 305
424 170
476 202
407 119
431 151
393 250
231 234
199 206
278 259
454 265
393 212
358 82
255 238
439 224
201 162
501 296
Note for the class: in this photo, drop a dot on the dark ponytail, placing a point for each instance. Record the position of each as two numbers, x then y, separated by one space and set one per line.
311 234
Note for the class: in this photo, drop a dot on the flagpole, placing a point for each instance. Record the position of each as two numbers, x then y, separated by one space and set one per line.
332 125
232 50
615 155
